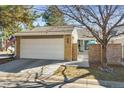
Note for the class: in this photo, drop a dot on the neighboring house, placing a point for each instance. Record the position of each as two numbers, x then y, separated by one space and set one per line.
58 43
85 38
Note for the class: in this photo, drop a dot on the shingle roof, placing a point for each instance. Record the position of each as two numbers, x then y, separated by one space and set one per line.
49 30
54 28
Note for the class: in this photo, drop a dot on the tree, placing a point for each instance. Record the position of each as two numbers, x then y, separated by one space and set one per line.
15 18
53 17
98 19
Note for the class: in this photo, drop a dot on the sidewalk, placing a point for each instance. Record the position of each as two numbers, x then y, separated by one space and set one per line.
85 83
57 82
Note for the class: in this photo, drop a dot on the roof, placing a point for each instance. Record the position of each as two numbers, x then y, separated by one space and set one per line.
118 37
56 30
84 33
49 30
118 30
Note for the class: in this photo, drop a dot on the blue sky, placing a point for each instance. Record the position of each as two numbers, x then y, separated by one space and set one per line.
40 22
39 9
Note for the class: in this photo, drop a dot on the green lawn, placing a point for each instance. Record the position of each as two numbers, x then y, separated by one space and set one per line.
90 73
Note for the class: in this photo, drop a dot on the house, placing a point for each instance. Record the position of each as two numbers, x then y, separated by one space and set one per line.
84 39
58 43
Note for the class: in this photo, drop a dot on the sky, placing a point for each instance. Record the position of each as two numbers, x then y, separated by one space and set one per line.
40 9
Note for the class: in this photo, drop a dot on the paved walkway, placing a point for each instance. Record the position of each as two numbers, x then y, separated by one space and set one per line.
60 82
52 82
82 60
21 84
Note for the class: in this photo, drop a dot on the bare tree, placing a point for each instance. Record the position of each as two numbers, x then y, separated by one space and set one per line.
101 21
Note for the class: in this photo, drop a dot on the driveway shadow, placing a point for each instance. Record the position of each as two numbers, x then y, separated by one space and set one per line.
23 64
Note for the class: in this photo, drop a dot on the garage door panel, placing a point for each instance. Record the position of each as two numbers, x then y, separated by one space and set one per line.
42 48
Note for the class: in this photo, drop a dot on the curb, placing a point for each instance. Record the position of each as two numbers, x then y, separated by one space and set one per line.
85 82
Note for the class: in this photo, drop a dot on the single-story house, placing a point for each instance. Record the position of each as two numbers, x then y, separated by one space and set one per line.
58 43
84 39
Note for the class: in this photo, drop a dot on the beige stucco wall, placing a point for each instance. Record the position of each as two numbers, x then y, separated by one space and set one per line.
68 47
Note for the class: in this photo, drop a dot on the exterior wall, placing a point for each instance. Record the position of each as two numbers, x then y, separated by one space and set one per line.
67 44
114 54
17 47
74 51
68 47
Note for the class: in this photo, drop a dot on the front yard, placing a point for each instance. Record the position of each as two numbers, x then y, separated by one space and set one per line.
90 73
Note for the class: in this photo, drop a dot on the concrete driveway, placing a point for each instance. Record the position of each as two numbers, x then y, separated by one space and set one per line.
23 64
21 67
29 69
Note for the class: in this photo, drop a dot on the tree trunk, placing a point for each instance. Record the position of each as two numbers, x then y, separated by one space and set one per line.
104 66
104 56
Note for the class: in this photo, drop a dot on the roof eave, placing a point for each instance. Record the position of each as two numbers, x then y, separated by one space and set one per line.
45 33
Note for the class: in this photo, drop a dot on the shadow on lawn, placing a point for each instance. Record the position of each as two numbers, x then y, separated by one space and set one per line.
44 84
97 76
66 80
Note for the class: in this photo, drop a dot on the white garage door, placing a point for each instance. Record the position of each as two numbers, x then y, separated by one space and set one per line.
42 48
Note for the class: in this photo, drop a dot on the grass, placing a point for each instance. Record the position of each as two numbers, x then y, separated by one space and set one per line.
90 73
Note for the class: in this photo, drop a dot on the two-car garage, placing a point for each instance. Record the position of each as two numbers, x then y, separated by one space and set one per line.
58 43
